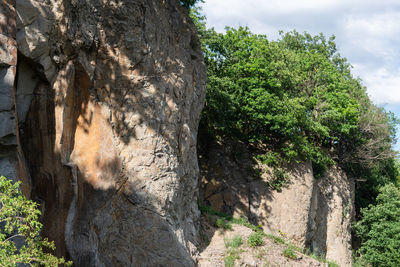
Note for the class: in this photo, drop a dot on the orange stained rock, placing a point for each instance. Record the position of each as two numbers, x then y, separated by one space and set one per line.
94 152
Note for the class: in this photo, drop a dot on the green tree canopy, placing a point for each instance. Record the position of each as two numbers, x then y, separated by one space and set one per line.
296 98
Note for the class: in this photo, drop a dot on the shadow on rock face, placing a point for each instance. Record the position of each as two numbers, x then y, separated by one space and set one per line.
110 136
312 213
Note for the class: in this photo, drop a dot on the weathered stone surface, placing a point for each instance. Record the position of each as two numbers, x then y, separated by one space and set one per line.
27 82
312 213
287 212
332 211
7 167
35 24
110 135
7 127
8 61
7 76
8 51
8 20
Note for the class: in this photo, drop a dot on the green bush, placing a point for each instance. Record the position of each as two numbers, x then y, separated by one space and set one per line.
289 252
19 218
379 229
255 239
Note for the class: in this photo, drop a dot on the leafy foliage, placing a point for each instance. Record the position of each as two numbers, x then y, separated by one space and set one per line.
379 229
20 242
296 93
295 98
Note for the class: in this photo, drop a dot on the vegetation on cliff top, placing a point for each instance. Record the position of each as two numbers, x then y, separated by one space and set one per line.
295 98
20 241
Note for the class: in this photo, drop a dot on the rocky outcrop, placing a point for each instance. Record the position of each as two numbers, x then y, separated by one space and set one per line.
107 103
12 161
310 212
331 214
99 108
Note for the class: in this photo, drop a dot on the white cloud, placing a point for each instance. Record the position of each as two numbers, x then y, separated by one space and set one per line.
376 34
383 85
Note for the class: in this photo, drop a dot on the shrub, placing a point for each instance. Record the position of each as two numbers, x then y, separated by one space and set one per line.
379 229
19 219
255 239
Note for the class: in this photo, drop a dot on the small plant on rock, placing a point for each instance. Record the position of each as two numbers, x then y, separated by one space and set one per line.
235 242
255 239
289 252
222 223
333 264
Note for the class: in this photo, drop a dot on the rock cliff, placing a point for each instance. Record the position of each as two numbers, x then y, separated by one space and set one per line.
313 213
100 103
99 108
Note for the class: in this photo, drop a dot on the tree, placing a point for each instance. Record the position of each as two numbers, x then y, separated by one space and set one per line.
20 241
295 98
294 94
379 229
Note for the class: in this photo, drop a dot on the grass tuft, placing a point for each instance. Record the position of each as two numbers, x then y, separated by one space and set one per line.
289 252
235 242
255 239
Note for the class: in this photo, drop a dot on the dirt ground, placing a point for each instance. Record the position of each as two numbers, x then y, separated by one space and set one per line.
214 250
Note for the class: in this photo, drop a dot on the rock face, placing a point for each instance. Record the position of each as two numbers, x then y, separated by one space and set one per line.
99 109
12 161
332 209
8 63
312 213
108 99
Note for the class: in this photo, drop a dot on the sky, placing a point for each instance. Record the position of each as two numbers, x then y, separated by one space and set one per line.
367 34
